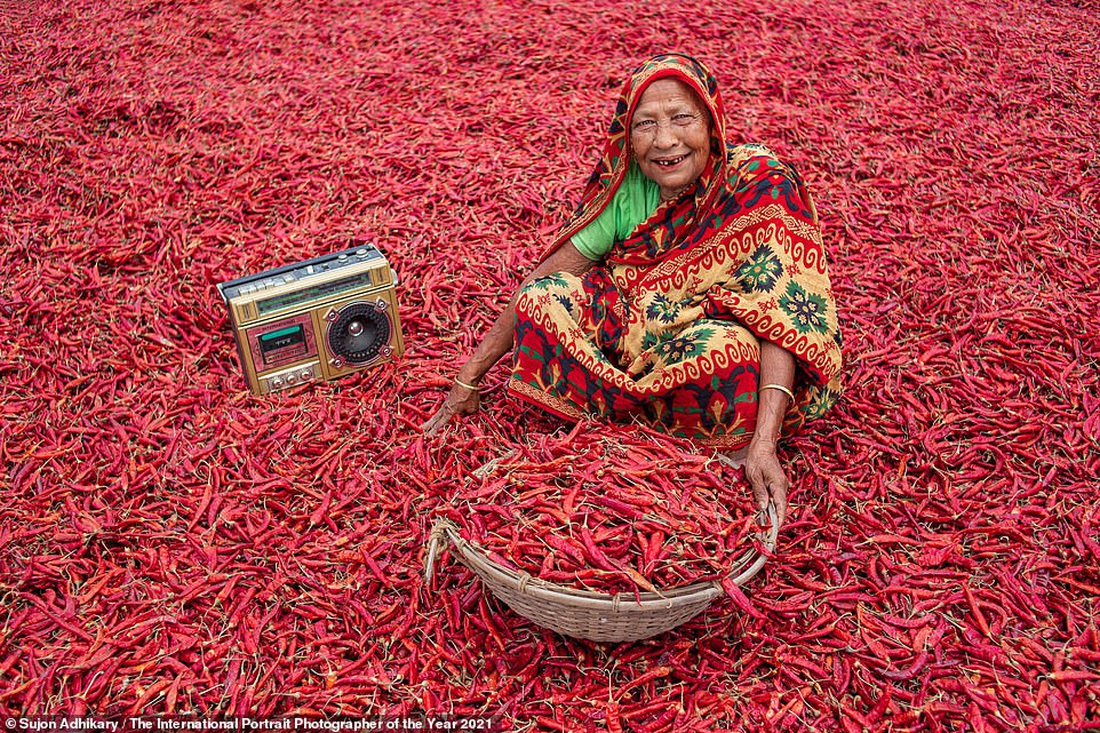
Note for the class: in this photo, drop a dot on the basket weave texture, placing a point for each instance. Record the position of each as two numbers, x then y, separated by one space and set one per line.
591 615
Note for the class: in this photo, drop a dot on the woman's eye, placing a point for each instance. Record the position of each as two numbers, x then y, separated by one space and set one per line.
683 119
643 125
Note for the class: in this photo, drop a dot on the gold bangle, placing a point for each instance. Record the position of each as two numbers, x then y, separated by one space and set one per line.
471 387
780 387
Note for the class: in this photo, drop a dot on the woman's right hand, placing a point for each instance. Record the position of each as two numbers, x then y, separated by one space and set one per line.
459 401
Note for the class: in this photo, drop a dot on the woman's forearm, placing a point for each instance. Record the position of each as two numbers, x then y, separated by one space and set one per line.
776 367
766 476
499 338
496 343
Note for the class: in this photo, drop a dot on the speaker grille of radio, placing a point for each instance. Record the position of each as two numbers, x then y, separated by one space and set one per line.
315 320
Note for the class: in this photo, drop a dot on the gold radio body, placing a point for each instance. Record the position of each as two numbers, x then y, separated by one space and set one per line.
319 319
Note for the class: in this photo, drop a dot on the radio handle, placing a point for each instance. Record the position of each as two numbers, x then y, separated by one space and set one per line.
222 287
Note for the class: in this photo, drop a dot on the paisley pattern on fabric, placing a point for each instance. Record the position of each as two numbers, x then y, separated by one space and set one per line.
667 329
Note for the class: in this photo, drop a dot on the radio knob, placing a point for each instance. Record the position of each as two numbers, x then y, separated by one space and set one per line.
361 252
291 379
276 383
305 375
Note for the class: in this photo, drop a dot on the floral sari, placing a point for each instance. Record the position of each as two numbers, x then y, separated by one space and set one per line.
667 329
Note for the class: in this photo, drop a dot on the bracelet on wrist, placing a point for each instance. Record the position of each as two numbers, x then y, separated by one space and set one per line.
779 387
471 387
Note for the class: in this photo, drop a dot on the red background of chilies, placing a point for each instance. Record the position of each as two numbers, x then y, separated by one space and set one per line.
170 543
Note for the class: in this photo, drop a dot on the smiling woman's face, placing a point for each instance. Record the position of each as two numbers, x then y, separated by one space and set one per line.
670 134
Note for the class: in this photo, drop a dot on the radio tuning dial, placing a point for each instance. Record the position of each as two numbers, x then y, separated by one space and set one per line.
276 383
305 375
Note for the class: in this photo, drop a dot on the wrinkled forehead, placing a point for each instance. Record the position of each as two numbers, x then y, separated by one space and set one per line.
669 90
664 76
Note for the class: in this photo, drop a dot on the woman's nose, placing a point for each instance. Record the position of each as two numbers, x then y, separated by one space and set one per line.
665 137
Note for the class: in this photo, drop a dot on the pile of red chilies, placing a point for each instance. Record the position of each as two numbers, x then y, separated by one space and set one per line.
610 510
171 545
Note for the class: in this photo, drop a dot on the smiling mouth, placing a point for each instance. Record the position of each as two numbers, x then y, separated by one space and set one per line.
670 162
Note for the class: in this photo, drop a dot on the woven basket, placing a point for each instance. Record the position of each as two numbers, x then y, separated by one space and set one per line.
589 614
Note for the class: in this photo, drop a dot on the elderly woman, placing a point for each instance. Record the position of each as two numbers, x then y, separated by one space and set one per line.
689 291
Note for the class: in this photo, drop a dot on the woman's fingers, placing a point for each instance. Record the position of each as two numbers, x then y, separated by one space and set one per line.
778 491
464 402
769 483
775 482
759 487
441 417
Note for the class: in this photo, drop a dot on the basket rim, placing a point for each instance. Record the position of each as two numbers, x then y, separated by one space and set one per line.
474 557
529 585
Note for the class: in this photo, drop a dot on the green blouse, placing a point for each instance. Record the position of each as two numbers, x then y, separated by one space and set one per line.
634 202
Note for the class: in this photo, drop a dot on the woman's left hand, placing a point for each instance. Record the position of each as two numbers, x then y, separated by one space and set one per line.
766 477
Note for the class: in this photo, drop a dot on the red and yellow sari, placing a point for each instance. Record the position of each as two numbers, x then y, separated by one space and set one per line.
666 330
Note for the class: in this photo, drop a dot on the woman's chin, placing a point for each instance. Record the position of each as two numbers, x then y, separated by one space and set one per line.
672 185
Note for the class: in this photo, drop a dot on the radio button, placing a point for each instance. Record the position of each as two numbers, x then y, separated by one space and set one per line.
305 375
276 383
291 379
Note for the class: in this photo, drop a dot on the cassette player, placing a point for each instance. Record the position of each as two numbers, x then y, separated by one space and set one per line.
316 320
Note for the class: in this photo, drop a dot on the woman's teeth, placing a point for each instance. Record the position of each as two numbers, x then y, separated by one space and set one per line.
669 162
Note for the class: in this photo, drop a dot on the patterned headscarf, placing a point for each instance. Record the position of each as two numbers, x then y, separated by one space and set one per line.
617 153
